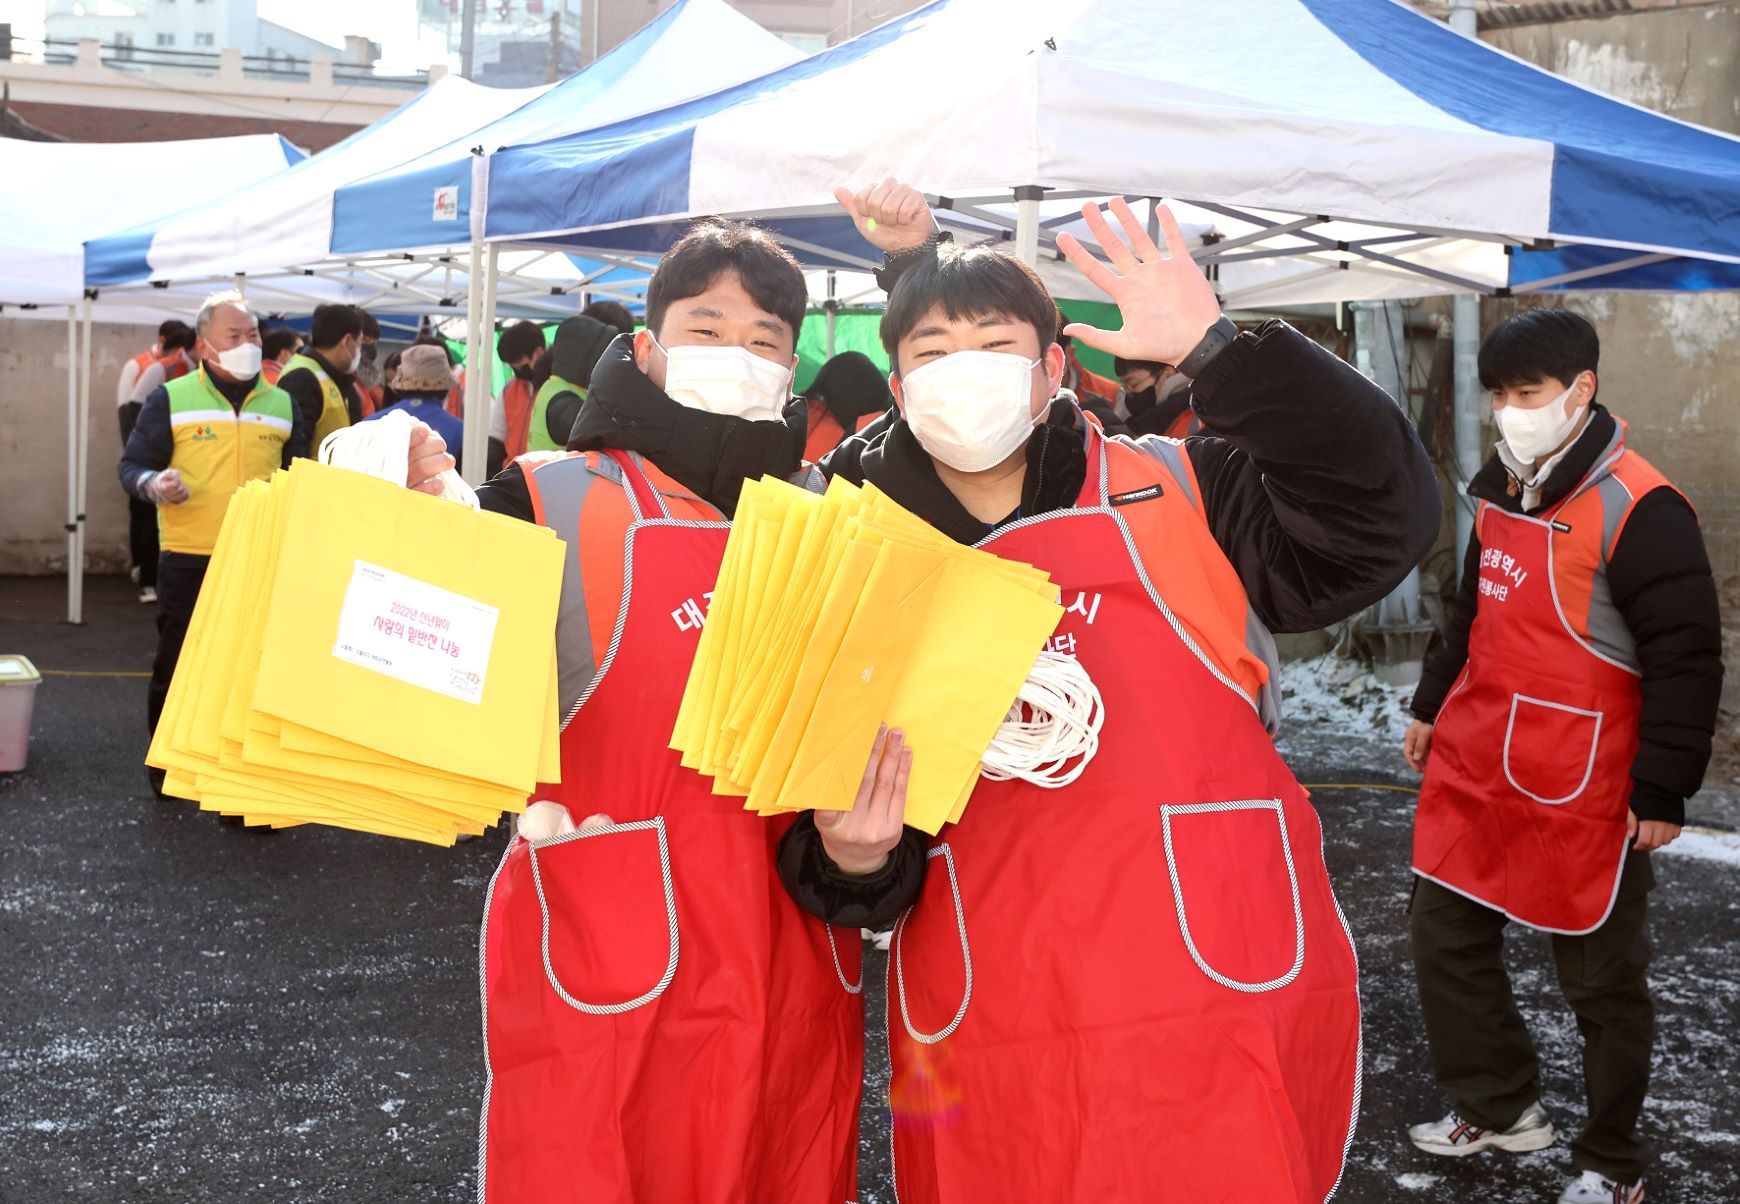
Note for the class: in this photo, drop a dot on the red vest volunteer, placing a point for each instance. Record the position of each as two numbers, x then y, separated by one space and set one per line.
1138 986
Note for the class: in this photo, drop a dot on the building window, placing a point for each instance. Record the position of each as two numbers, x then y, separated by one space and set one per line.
166 39
204 39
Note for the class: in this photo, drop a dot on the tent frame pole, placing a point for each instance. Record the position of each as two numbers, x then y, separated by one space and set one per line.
480 376
473 344
86 361
74 600
1027 198
833 308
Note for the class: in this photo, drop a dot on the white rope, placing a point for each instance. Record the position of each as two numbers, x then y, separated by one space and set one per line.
381 447
1052 731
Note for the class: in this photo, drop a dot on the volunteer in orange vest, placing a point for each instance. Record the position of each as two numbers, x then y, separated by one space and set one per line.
1562 721
662 1023
1137 987
142 374
1156 399
847 395
279 345
511 417
199 438
322 377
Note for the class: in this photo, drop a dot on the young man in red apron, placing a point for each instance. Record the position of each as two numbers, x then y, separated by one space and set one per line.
1562 721
1139 986
662 1023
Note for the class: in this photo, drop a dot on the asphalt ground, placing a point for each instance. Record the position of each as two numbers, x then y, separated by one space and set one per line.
189 1012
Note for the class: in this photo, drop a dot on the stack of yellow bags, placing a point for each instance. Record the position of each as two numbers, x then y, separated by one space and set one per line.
835 613
366 657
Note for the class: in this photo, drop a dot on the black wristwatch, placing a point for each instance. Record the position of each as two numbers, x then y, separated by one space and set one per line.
1217 340
896 262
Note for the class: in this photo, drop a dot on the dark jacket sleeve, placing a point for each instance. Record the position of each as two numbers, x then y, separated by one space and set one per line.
1315 484
868 901
150 447
559 417
305 391
1660 577
506 493
1448 650
301 441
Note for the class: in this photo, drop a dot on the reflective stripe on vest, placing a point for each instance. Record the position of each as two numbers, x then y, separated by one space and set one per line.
217 450
334 409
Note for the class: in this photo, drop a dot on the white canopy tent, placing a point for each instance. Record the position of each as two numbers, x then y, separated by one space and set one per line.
65 193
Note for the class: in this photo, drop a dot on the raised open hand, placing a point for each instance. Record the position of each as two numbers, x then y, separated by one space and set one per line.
1166 302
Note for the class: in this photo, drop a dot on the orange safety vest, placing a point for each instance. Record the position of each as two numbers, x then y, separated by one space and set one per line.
516 400
456 396
826 431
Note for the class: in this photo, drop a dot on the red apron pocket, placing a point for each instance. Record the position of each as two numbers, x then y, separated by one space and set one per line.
610 915
1549 749
1236 891
846 946
932 1005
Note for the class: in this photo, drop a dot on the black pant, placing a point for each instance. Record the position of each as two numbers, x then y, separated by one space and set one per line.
141 516
179 577
1481 1050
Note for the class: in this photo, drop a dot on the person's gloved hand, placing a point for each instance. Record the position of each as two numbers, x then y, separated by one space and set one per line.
545 820
168 488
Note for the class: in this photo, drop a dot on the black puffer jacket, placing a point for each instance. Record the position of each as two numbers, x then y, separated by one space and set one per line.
1659 574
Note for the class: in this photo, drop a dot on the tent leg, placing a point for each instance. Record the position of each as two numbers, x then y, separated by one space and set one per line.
480 374
832 306
86 361
1027 224
73 585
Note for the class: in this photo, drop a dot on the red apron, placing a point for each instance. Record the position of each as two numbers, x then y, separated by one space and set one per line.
1533 824
662 1023
1139 987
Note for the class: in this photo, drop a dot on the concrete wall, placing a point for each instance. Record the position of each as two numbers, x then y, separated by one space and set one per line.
1668 362
33 446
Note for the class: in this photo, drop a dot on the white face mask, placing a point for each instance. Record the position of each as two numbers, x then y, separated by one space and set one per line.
241 361
971 409
355 360
1531 434
727 380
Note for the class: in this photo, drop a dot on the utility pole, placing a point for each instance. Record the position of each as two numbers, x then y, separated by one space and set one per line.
552 69
592 19
467 37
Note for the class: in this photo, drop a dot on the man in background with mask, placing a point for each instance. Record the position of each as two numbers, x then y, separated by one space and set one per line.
685 1086
196 440
1156 399
321 378
1562 720
510 419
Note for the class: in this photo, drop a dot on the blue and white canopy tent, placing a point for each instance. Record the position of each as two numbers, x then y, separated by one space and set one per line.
1341 149
430 204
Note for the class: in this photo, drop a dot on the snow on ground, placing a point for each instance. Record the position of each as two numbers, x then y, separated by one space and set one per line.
1338 695
1723 847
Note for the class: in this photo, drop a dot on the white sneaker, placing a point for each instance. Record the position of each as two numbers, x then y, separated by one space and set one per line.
1591 1187
1457 1138
147 595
